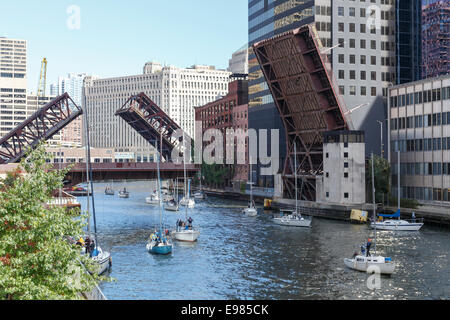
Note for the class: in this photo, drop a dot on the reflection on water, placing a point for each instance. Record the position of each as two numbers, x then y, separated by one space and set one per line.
239 257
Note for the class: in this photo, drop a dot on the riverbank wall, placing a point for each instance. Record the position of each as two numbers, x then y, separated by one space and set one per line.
432 215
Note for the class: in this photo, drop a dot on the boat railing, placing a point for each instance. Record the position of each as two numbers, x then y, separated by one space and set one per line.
62 201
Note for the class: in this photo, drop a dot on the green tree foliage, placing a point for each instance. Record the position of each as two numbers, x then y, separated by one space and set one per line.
382 173
215 174
37 261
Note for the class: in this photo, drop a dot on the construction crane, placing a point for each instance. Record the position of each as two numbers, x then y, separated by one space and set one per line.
42 79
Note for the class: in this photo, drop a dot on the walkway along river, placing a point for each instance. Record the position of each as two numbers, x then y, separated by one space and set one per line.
240 257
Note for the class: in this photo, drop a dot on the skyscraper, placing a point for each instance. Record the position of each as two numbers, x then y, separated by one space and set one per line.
408 39
435 38
362 61
13 83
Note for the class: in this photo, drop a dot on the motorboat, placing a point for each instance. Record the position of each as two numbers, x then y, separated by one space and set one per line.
78 191
292 218
200 195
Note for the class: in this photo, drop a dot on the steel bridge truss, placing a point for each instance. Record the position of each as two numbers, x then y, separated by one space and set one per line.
305 97
152 123
42 125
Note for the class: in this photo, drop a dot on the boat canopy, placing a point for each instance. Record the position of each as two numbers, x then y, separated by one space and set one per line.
394 215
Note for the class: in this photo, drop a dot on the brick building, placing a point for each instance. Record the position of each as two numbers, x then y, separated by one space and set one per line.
228 112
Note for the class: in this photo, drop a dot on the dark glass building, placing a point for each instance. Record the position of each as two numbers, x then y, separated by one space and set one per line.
408 40
435 38
268 18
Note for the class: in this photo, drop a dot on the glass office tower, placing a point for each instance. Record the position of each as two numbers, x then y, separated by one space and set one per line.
268 18
408 40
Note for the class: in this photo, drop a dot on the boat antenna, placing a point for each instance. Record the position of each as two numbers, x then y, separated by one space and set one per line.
184 169
159 190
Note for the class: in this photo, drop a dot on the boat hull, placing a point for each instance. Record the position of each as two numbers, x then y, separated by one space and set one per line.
124 195
190 203
250 212
172 208
396 226
150 200
306 223
164 249
371 267
186 235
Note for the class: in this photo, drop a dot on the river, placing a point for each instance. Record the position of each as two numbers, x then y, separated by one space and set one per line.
239 257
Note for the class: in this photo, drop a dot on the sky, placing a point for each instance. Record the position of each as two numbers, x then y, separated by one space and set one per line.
117 37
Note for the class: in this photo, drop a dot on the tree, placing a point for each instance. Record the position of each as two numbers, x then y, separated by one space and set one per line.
382 173
36 259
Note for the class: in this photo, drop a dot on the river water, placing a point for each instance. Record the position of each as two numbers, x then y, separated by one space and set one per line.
239 257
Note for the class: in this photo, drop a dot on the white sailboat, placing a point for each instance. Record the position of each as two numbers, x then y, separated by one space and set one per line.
289 217
124 193
200 194
158 242
186 200
366 262
251 210
398 224
185 231
109 191
173 204
97 254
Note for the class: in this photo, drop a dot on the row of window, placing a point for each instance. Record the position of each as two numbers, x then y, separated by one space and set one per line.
417 145
422 169
420 97
423 193
427 120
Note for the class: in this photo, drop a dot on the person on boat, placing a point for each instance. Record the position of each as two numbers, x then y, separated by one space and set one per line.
413 217
190 222
80 242
363 250
354 255
369 244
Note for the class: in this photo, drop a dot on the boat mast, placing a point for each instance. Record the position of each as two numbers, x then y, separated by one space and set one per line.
89 177
374 205
184 169
159 190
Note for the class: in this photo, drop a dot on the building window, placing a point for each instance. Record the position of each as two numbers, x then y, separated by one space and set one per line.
346 195
345 164
345 154
345 174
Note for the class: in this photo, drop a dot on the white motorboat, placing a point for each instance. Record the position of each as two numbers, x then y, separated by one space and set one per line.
293 219
371 264
153 199
189 202
109 191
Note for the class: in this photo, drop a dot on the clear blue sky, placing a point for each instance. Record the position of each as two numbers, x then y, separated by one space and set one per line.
116 37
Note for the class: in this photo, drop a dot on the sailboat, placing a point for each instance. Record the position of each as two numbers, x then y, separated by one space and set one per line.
124 193
396 224
184 230
251 210
368 263
158 242
186 200
100 257
172 205
109 191
200 194
153 198
293 218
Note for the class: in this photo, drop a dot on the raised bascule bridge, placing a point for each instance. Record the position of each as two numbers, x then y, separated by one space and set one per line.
306 96
139 111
